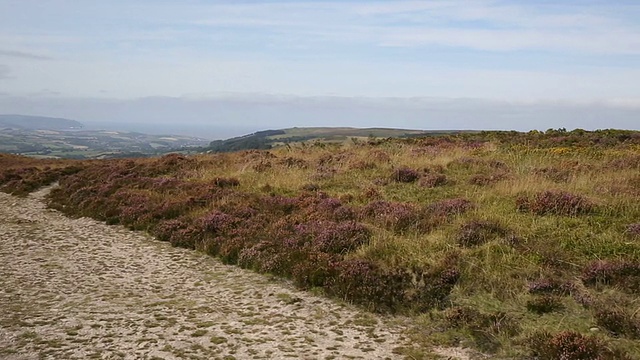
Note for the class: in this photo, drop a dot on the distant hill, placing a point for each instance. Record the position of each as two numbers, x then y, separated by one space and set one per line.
272 138
38 122
41 136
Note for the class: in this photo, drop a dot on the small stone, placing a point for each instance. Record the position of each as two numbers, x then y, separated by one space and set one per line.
594 329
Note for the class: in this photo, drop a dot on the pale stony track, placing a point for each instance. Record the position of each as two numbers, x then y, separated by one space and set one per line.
79 289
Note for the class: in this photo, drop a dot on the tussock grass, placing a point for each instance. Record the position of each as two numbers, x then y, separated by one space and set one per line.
512 241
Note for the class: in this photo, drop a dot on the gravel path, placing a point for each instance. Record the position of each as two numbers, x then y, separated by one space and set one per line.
78 289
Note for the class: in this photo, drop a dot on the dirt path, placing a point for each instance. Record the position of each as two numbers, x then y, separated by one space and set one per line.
78 289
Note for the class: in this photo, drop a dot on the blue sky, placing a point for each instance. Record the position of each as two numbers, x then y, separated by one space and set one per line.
564 58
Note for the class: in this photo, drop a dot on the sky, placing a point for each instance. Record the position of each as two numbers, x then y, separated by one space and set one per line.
217 68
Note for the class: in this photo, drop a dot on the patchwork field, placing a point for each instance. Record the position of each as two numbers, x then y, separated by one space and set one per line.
515 245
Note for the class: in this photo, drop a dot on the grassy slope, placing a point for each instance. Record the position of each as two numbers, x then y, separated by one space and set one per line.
524 277
266 139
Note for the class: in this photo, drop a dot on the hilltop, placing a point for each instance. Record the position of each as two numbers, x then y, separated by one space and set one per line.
268 139
38 122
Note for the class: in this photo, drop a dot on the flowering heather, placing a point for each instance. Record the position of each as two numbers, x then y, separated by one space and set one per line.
339 237
433 180
476 233
634 229
618 323
392 215
279 204
315 271
217 222
484 179
165 229
405 175
363 282
168 164
569 345
449 207
330 209
555 202
624 274
550 286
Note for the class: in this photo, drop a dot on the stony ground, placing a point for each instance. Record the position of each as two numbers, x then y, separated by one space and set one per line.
78 289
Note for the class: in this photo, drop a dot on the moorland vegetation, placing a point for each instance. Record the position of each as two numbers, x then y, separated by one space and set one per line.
516 244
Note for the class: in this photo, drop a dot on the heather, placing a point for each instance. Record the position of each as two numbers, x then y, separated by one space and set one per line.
514 241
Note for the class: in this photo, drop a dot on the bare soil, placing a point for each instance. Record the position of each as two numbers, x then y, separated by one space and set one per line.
79 289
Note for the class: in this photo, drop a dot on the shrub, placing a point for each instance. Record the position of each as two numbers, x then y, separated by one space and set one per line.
556 203
405 175
428 288
550 286
622 273
310 187
466 317
363 282
478 232
544 304
484 180
449 207
226 182
217 222
618 323
394 216
339 237
316 270
569 345
164 230
433 180
484 327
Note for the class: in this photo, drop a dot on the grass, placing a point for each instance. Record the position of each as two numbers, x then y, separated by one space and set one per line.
488 240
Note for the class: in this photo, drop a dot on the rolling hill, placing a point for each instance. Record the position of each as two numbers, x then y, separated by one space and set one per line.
38 122
268 139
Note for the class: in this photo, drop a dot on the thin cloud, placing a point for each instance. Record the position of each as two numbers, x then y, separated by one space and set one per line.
4 71
23 55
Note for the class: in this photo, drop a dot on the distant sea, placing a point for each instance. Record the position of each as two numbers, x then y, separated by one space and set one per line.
198 130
